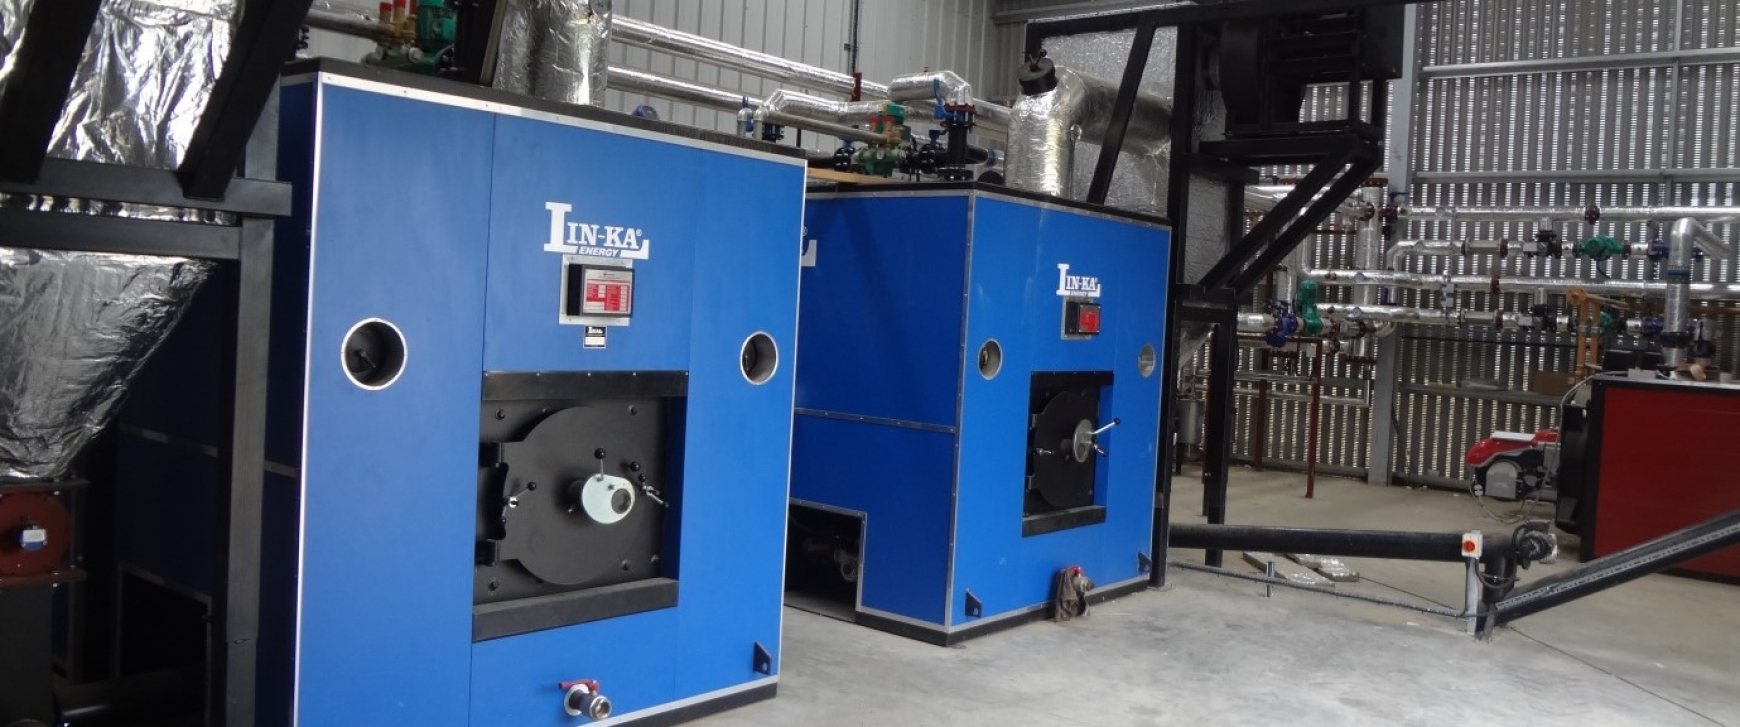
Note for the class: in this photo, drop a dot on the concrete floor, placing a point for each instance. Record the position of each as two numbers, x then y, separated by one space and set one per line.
1214 650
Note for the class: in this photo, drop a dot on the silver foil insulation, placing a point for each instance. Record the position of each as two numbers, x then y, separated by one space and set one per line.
555 50
74 329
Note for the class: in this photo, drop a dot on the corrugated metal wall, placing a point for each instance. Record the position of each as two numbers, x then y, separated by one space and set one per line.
1563 138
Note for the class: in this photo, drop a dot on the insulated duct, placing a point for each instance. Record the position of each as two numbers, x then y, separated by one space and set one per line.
75 329
1044 129
554 49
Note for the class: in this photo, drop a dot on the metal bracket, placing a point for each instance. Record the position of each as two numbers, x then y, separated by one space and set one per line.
975 609
761 660
1144 563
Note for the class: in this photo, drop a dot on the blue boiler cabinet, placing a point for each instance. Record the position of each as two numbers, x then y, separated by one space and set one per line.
978 402
530 400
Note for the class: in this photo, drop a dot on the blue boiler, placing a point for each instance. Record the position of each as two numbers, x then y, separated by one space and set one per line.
978 403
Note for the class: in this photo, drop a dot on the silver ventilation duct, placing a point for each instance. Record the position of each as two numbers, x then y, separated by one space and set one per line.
75 327
555 49
1044 129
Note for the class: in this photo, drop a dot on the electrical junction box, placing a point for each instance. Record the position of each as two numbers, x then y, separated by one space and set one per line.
481 509
979 389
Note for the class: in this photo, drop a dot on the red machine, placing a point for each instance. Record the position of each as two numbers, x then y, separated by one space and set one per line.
1660 457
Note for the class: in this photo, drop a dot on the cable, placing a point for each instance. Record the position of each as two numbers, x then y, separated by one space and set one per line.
1599 668
1435 611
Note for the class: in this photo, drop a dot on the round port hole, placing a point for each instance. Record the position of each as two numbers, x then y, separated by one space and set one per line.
374 354
990 359
760 358
1145 360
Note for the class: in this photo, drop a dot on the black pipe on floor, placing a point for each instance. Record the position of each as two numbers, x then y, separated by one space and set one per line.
1397 545
1632 563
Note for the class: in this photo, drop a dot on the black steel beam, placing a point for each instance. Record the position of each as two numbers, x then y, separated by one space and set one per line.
41 77
1113 145
1183 14
1392 544
235 594
1264 232
1626 565
1223 352
265 39
1178 211
1305 224
97 233
139 185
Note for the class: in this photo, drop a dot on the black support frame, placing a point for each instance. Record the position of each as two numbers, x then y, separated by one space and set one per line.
225 140
1342 162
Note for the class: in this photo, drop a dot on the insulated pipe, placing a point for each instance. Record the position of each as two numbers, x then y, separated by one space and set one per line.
625 79
918 90
628 79
1265 198
1691 229
797 103
1044 129
1637 288
642 34
1368 255
1677 311
1438 248
1435 316
1537 214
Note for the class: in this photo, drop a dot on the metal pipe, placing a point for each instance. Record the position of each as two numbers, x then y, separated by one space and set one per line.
1404 249
1608 571
1393 544
800 104
1253 323
1635 288
1537 214
642 34
1712 244
1677 311
837 130
627 79
1263 199
1044 129
919 91
348 23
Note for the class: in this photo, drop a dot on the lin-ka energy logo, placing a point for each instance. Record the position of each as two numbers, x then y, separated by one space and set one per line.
581 238
1076 286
